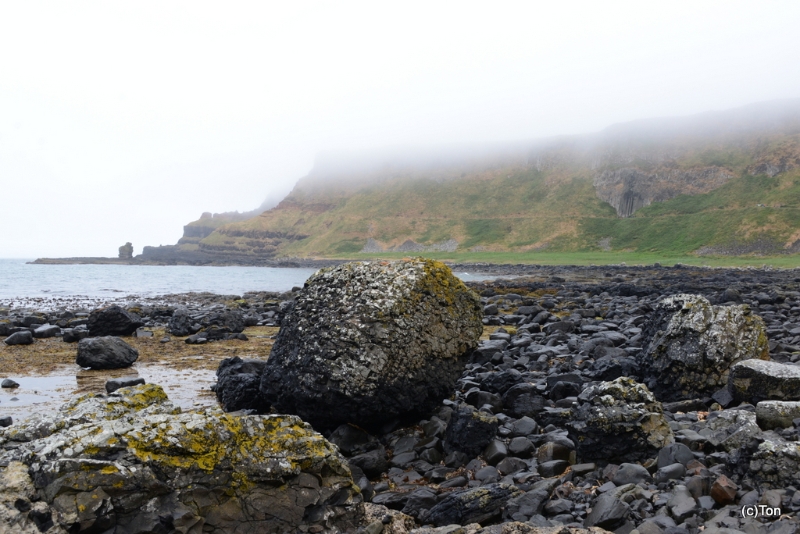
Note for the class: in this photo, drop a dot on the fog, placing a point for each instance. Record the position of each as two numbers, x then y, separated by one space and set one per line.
124 121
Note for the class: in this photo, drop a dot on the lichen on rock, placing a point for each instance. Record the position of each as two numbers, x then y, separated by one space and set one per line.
692 346
367 342
135 458
618 421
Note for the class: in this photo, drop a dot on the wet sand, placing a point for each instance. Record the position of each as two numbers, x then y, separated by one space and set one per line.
48 375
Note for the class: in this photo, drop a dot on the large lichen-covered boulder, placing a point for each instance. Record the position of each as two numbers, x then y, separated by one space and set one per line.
370 341
617 421
693 344
132 462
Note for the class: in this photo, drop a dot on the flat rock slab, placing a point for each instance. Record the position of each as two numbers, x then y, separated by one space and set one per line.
756 380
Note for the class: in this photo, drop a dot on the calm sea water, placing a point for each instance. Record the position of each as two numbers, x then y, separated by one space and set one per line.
21 280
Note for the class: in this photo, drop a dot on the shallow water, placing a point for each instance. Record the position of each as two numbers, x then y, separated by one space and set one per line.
189 388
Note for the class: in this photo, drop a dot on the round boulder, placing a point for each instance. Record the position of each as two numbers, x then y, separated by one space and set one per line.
367 342
107 352
692 346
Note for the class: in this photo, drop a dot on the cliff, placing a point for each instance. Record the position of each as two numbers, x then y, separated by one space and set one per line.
721 182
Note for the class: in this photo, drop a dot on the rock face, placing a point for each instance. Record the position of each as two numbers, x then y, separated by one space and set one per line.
113 321
107 352
367 342
131 462
629 189
618 421
693 344
755 380
126 251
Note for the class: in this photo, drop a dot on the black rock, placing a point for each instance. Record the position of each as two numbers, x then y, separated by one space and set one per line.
24 337
107 352
9 383
6 421
469 431
113 321
476 505
181 323
73 335
123 382
46 330
238 382
373 463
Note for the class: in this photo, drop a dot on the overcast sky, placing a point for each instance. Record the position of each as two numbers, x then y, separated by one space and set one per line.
123 121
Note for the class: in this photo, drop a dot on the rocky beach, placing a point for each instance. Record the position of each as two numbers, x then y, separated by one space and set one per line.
391 397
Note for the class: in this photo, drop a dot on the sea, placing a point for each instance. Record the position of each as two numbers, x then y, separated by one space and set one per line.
21 281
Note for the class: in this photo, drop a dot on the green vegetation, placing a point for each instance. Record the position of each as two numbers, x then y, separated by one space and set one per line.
514 213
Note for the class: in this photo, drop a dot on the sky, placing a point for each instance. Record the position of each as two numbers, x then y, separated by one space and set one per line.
123 121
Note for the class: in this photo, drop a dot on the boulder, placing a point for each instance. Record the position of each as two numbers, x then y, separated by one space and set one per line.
617 421
107 352
24 337
756 380
132 462
776 463
46 330
692 346
113 321
237 386
731 429
367 342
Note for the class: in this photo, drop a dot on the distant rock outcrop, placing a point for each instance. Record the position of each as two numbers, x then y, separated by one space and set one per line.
629 188
126 251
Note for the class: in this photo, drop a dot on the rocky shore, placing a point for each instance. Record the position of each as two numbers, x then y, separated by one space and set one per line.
630 399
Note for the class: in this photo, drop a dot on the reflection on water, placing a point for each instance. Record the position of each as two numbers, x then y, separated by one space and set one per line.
188 388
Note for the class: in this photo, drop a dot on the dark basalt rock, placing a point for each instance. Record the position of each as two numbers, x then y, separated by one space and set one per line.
693 344
469 431
107 352
113 321
24 337
476 505
617 421
237 386
367 342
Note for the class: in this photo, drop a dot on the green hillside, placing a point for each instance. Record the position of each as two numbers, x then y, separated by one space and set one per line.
726 183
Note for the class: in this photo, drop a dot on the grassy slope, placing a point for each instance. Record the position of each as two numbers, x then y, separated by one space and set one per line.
513 214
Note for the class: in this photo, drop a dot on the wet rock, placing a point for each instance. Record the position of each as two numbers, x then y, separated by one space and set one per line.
617 421
181 323
46 330
123 382
131 462
693 344
73 335
469 431
238 382
756 380
9 383
476 505
24 337
107 352
6 421
113 321
365 342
